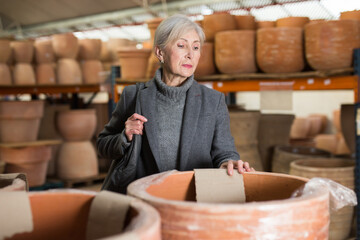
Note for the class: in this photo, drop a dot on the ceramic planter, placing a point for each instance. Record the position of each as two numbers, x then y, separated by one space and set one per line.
44 52
68 72
23 51
292 22
265 24
89 49
268 211
45 74
133 62
327 142
92 72
350 15
337 119
300 128
5 50
215 23
206 65
24 74
65 45
115 44
246 22
5 75
316 125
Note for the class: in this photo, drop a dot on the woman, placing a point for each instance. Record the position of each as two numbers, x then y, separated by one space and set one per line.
183 125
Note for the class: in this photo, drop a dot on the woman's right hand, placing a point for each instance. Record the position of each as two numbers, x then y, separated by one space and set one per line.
134 125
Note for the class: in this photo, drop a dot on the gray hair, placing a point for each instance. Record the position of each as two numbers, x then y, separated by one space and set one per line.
173 27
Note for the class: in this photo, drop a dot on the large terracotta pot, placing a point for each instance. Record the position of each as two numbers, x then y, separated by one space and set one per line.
73 214
45 74
5 75
76 125
330 44
133 62
265 24
89 49
246 22
280 50
316 125
32 161
267 205
24 74
44 52
20 120
115 44
215 23
300 128
324 120
23 51
337 119
327 142
65 45
292 22
5 50
92 71
77 160
338 170
206 65
350 15
235 51
68 72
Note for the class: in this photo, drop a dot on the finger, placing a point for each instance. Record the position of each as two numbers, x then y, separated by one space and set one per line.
230 167
240 166
247 167
136 116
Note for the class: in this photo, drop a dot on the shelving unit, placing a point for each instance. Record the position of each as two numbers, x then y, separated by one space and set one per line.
51 89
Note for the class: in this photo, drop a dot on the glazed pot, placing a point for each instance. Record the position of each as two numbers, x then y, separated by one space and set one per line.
75 215
20 120
350 15
68 72
65 45
5 50
292 22
330 44
77 160
327 142
23 51
45 74
133 62
5 75
267 205
280 50
32 161
92 72
206 65
89 49
265 24
24 74
246 22
76 125
215 23
115 44
235 51
44 52
300 128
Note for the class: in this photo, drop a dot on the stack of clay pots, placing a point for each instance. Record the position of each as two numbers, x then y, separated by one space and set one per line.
23 53
89 54
66 48
206 65
5 53
133 62
77 156
46 62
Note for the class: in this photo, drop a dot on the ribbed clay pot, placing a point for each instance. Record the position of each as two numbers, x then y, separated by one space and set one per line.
44 52
77 160
68 72
65 45
66 215
280 50
92 72
20 120
115 44
246 22
292 22
267 205
5 75
24 74
76 125
265 24
350 15
284 155
133 62
330 44
235 51
300 128
327 142
338 170
5 50
32 161
45 74
89 49
23 51
274 129
206 65
215 23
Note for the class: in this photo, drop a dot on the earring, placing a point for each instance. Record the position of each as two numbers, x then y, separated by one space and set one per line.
161 61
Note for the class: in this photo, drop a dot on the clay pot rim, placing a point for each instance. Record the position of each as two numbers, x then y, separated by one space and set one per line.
294 17
286 148
132 50
298 165
330 22
242 31
280 29
143 183
26 162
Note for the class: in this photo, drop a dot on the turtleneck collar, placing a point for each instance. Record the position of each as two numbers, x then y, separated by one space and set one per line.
172 92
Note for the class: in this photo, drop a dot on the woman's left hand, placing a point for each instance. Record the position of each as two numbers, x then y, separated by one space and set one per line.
240 165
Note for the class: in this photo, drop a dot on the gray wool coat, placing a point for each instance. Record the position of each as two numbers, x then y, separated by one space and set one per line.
205 140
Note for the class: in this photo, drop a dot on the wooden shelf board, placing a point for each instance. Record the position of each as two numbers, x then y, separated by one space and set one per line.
51 89
31 144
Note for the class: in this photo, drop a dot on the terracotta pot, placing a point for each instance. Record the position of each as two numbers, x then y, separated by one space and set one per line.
20 120
350 15
267 205
66 215
235 51
265 24
206 65
44 52
215 23
280 50
92 72
116 44
133 62
316 125
24 74
65 45
68 72
23 51
330 44
89 49
292 22
341 147
5 50
5 75
76 125
336 119
77 160
324 120
284 155
105 54
45 74
246 22
32 161
300 128
326 142
274 129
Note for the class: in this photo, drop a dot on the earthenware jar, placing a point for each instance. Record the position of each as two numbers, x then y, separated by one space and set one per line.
5 50
23 51
264 24
5 75
44 52
292 22
89 49
68 72
215 23
45 74
92 72
24 74
133 62
65 45
246 22
206 65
